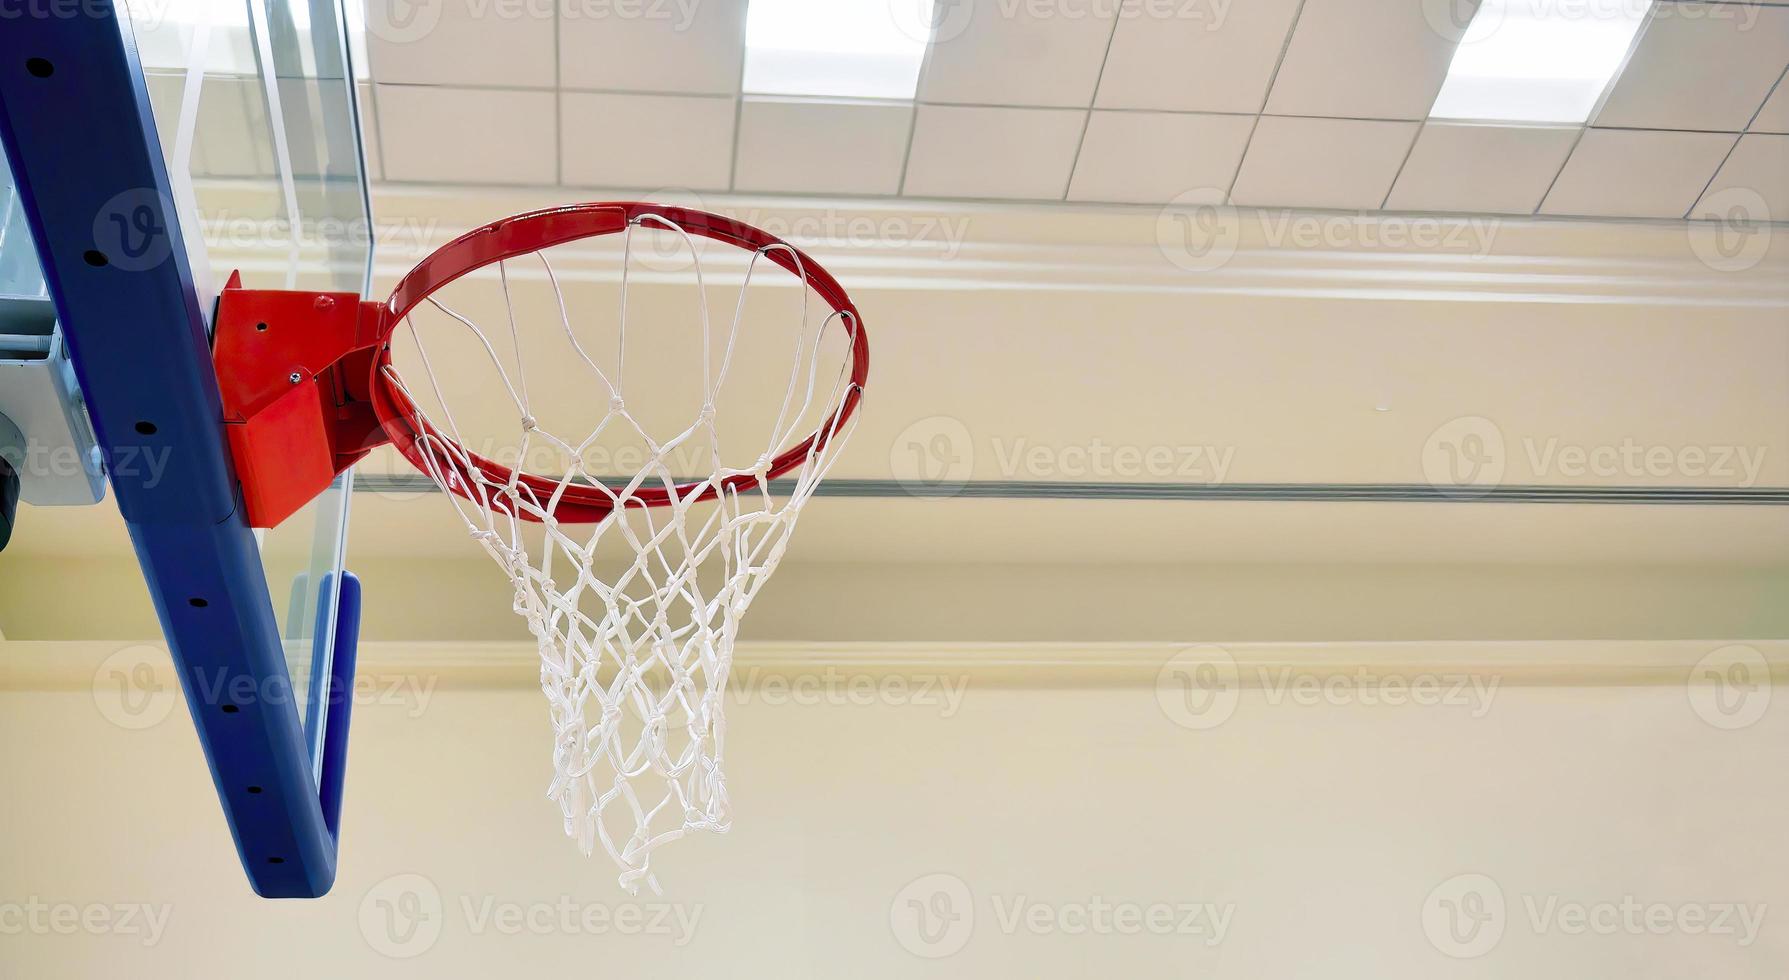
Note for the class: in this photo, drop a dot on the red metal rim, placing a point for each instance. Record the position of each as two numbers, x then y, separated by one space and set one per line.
536 230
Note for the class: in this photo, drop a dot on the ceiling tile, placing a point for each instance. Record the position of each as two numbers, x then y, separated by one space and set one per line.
1321 163
1154 157
1636 173
1497 169
1774 117
1760 164
646 141
1005 53
822 147
301 106
1700 66
1207 58
231 137
667 47
466 135
461 42
369 132
1362 59
165 89
1217 58
961 151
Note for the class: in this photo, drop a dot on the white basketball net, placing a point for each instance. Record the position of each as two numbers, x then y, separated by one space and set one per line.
634 663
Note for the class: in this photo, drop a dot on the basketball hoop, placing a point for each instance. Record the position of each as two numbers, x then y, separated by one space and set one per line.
634 659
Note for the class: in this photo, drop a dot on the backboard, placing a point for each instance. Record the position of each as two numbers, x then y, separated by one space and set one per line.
225 137
255 105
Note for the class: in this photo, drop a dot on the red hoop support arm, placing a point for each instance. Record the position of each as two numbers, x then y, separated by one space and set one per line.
292 369
307 389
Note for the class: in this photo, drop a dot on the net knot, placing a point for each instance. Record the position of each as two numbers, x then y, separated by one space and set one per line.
616 404
528 424
706 416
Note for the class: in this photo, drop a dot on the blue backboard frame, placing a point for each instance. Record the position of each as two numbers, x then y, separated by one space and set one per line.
76 122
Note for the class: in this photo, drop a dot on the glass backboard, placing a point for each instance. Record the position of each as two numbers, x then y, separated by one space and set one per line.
256 106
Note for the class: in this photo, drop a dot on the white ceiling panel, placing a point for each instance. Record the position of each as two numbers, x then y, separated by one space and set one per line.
1774 117
1760 164
1700 66
232 138
466 135
1154 157
1364 59
669 47
461 42
963 151
369 132
1494 169
1204 58
164 98
1636 173
301 106
819 147
1005 53
1321 163
649 142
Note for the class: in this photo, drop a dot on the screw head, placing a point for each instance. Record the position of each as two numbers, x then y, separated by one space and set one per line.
325 302
294 377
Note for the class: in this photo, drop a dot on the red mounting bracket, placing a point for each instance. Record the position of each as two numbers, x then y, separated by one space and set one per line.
294 369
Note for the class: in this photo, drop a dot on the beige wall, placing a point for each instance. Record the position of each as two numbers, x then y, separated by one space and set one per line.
1318 831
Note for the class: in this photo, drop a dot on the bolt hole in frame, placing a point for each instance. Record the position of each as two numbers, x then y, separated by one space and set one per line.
122 212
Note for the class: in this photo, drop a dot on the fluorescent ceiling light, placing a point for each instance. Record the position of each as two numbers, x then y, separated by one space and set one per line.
1538 60
860 48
